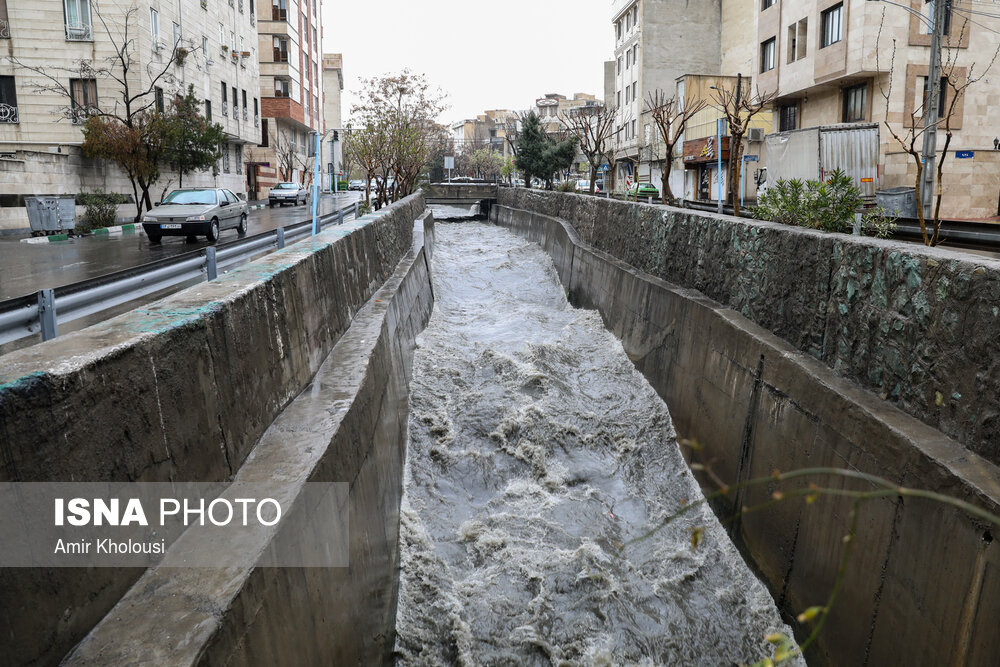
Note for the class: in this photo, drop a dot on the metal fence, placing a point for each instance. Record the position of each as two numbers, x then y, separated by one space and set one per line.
46 309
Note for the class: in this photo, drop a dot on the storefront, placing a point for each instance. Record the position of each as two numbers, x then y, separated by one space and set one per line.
701 178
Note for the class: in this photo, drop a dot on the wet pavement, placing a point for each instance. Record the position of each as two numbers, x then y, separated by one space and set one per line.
29 267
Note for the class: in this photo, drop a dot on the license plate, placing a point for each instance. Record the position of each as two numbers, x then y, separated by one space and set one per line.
170 226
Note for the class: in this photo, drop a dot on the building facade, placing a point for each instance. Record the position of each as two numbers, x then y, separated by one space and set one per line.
55 74
291 85
656 41
333 85
852 61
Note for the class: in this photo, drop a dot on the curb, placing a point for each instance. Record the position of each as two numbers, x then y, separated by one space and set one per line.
103 231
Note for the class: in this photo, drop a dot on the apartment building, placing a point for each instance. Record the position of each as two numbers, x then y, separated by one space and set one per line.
832 61
486 129
656 41
291 84
333 84
71 41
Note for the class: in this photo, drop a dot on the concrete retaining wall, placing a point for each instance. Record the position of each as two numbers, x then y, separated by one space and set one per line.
918 326
923 584
183 390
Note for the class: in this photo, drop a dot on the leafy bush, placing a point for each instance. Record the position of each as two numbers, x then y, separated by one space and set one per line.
364 208
828 205
567 186
102 209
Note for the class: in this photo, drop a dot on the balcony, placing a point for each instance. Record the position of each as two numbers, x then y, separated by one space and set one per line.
79 33
8 114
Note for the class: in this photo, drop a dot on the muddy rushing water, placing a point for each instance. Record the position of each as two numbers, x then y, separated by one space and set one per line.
536 451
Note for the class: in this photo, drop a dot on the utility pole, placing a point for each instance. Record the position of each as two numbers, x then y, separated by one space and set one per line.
931 108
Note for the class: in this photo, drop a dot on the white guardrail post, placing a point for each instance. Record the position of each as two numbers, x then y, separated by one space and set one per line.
47 313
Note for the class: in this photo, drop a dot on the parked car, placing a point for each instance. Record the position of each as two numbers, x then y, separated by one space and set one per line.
643 190
599 185
583 186
196 212
287 193
356 184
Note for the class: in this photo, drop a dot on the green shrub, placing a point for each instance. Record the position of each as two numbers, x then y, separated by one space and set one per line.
828 205
878 222
364 208
101 211
567 186
342 186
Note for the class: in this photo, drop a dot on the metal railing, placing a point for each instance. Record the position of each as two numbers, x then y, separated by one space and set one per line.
46 309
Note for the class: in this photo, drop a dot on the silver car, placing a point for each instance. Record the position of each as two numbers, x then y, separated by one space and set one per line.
196 212
287 193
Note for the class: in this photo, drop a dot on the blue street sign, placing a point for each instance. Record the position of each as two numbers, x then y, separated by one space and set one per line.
605 167
749 158
964 154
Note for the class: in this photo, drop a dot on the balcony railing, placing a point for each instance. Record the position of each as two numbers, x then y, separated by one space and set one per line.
8 114
240 6
253 19
256 120
225 108
4 29
246 116
79 33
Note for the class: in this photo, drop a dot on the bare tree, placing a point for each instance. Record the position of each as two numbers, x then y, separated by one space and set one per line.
593 128
671 116
126 117
287 153
910 136
739 105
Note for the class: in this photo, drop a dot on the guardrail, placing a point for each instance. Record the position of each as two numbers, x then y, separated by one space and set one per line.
43 311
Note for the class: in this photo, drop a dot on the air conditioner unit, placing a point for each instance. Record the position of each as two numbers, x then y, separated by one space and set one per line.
755 134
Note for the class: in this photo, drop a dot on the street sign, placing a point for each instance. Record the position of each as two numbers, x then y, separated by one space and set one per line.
965 155
449 162
750 158
605 167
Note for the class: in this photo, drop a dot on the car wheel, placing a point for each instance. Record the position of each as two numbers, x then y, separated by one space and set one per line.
213 231
155 238
270 204
242 229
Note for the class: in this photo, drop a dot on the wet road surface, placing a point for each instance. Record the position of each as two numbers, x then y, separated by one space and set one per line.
537 454
29 267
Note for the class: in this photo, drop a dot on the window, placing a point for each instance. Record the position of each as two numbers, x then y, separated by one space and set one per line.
4 23
854 103
239 170
252 9
618 29
628 22
942 96
177 34
158 98
635 15
280 50
635 54
77 15
929 28
83 98
222 36
8 100
788 117
245 112
618 98
225 99
767 56
628 59
279 10
225 158
764 4
208 109
232 41
281 87
619 68
154 25
256 114
236 105
263 134
832 28
635 89
204 47
628 91
633 128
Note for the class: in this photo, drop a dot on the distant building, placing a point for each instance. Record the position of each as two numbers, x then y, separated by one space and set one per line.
333 84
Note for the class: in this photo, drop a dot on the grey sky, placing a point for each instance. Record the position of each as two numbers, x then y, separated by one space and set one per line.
496 55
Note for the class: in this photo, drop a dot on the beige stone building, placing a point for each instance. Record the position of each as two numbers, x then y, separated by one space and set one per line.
832 61
333 85
41 118
291 85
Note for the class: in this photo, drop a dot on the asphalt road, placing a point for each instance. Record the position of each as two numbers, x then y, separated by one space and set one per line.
27 267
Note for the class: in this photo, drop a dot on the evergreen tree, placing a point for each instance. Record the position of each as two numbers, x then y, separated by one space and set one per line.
540 155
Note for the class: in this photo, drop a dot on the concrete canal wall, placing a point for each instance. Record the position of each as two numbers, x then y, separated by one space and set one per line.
189 389
922 586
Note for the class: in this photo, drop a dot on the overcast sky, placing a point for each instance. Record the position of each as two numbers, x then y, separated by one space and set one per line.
496 55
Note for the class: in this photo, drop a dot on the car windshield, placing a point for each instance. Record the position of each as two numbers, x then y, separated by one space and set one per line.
286 186
205 197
